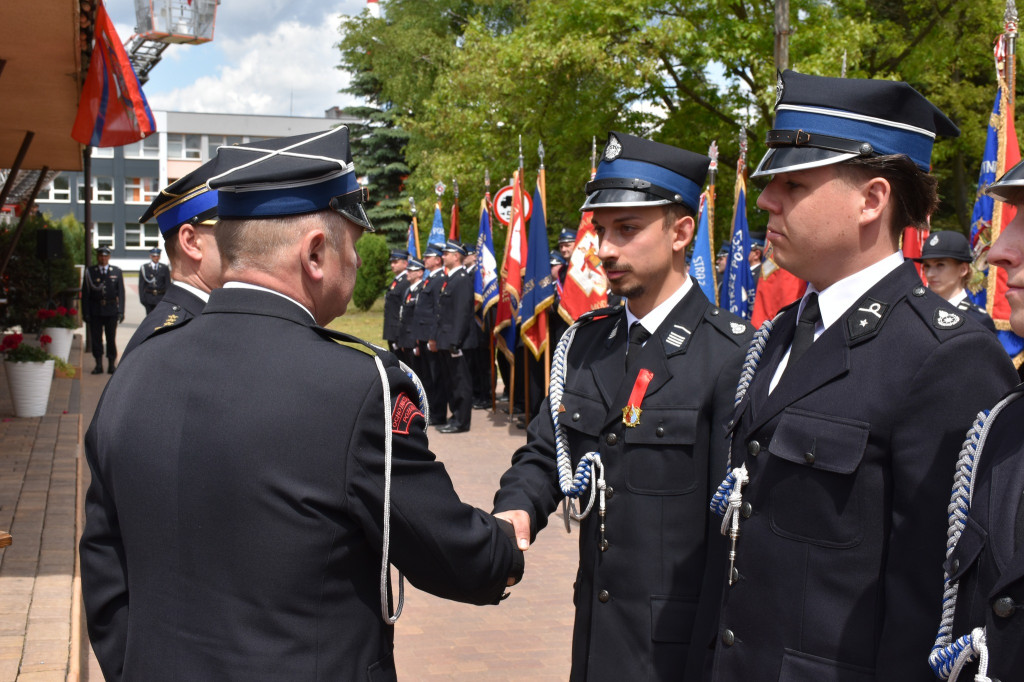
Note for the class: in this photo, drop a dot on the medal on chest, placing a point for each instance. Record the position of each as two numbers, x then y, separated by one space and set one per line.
631 412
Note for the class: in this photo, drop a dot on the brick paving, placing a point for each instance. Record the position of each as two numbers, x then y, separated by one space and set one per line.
43 477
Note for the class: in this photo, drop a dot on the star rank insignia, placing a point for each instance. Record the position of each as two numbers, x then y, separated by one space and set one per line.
171 319
866 318
945 319
612 151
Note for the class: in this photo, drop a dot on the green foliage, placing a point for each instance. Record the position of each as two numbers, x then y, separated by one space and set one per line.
373 274
74 236
378 148
25 280
466 78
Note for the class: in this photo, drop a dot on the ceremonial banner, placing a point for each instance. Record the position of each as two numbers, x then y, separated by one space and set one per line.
739 280
437 229
1002 152
453 229
413 244
486 277
538 289
702 262
586 286
913 243
512 275
777 289
112 109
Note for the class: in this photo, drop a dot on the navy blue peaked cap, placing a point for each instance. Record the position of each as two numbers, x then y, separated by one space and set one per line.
638 172
289 176
186 200
399 255
1010 185
567 237
415 264
947 244
452 246
821 121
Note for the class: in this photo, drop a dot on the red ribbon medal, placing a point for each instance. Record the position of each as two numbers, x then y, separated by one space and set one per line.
631 412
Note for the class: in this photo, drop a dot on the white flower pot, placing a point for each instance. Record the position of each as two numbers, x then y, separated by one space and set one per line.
29 383
61 345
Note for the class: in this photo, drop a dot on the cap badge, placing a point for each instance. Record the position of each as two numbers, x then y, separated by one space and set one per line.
612 151
934 240
779 88
947 320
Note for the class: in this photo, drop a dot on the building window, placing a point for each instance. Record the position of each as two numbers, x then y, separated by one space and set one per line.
102 152
181 146
221 141
148 148
140 190
102 190
144 236
59 190
103 235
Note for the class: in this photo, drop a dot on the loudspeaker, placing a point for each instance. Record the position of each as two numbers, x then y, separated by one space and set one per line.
49 244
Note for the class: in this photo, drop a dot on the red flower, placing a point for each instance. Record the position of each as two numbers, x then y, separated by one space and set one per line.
72 311
45 340
61 310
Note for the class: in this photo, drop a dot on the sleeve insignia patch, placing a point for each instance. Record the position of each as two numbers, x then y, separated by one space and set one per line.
737 328
945 319
403 414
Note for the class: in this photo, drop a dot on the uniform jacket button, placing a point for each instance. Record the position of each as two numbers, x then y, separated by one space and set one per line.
611 439
603 596
809 457
575 416
919 291
754 448
746 509
1004 607
609 492
660 431
728 638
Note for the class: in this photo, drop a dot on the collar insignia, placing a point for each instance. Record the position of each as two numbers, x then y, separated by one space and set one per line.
945 319
678 337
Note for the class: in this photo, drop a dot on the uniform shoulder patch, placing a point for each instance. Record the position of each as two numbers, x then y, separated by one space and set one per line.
404 412
947 319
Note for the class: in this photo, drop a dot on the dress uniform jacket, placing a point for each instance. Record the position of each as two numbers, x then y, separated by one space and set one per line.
455 312
988 560
406 315
838 566
178 306
425 320
978 313
393 298
636 602
104 295
236 533
154 278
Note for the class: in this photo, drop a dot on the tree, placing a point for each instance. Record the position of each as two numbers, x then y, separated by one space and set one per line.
372 275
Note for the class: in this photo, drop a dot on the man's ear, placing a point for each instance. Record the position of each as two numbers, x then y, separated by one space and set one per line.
190 242
876 193
683 230
312 254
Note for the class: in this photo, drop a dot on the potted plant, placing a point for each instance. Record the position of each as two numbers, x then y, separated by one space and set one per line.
59 325
29 374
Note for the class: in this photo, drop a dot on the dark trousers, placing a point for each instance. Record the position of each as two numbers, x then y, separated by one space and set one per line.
460 387
434 384
149 307
98 325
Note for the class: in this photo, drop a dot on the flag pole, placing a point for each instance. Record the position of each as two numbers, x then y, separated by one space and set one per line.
526 359
712 176
483 318
542 181
415 227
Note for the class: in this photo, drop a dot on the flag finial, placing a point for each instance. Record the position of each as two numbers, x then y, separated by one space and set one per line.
540 152
412 205
1010 18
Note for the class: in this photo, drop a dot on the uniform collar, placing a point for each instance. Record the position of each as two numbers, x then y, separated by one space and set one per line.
198 293
256 287
837 299
958 296
652 320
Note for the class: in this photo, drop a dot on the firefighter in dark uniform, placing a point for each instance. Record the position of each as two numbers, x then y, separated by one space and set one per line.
406 316
253 540
456 334
393 298
186 213
983 632
946 263
652 414
557 324
154 278
853 406
103 307
425 322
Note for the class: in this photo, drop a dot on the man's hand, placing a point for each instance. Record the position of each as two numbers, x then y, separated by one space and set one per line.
520 521
432 345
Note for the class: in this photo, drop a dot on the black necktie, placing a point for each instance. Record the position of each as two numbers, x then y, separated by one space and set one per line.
637 336
804 336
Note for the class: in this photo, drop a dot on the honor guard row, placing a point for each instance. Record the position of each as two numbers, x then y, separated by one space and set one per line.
253 540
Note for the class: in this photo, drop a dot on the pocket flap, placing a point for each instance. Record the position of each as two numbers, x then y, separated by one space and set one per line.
967 550
820 441
664 425
582 413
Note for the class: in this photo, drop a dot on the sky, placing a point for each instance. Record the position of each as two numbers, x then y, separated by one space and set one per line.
271 57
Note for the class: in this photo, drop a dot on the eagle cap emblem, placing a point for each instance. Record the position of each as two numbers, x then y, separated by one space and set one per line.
614 148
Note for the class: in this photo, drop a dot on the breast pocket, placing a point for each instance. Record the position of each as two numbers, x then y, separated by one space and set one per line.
815 497
660 451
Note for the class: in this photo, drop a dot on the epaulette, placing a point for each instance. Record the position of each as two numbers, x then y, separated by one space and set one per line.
938 314
968 304
173 321
353 342
732 327
599 314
